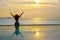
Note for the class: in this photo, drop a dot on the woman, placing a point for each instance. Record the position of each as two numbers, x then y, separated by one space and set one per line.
16 17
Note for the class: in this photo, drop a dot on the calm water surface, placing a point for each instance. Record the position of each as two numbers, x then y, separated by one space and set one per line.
31 33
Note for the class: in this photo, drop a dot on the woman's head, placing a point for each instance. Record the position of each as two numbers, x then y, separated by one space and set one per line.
16 15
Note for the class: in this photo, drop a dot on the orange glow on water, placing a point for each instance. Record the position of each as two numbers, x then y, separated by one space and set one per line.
37 34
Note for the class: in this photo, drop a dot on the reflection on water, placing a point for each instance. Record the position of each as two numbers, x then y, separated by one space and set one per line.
37 34
31 33
17 32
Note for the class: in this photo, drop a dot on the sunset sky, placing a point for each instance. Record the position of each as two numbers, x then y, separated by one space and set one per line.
32 9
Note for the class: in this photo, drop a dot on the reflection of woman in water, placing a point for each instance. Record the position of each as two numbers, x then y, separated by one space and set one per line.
16 17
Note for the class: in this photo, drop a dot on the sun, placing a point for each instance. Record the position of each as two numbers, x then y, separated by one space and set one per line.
37 1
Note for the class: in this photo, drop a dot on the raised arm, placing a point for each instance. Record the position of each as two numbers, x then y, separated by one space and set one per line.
21 14
11 14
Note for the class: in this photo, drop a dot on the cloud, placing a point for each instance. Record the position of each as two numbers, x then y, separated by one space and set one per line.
23 2
47 10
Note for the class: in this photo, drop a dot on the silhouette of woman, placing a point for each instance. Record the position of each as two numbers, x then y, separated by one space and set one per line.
16 17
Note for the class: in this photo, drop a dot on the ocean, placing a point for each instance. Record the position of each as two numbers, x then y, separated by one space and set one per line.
36 21
30 29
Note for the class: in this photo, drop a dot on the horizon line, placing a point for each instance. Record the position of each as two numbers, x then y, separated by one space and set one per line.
35 25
